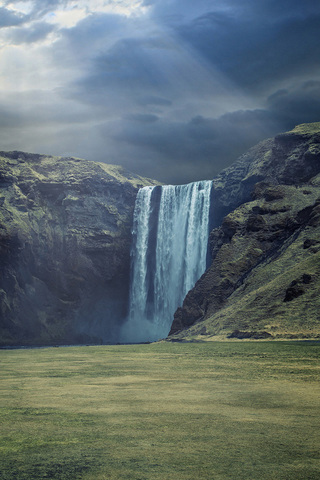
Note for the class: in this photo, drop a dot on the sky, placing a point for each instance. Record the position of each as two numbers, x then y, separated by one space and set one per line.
174 90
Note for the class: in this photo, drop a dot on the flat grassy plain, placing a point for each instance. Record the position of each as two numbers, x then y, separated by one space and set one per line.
166 411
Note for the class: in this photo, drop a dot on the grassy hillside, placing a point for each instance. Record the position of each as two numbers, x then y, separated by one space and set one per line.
210 411
264 280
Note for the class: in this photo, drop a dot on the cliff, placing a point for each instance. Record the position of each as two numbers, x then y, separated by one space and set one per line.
65 233
264 278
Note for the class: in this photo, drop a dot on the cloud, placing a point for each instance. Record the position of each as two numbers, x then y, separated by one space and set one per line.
152 70
35 7
152 100
193 150
261 44
171 89
142 118
9 18
33 33
296 105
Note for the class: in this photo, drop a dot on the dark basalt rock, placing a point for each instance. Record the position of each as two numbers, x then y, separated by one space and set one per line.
249 335
309 242
293 292
65 235
267 222
296 287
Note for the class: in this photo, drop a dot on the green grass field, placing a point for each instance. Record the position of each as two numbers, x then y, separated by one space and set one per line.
167 411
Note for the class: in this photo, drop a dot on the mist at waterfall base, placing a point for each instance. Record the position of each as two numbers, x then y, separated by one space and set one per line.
168 255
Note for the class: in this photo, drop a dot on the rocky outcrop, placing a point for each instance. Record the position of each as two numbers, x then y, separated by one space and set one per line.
265 273
65 233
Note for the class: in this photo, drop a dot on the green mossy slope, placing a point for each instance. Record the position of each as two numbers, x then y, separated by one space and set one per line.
264 280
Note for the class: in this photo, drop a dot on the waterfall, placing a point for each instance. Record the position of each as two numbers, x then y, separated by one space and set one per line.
168 255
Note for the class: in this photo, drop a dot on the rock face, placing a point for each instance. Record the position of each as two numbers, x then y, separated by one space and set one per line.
65 233
264 278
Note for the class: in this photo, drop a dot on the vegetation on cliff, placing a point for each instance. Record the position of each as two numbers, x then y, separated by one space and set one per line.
264 279
65 233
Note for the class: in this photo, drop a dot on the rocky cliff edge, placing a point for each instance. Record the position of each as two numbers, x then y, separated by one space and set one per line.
65 233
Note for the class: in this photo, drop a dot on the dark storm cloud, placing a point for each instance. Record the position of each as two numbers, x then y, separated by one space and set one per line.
142 118
9 118
149 72
264 11
9 18
159 101
129 64
177 93
94 34
298 105
40 109
259 43
196 149
269 50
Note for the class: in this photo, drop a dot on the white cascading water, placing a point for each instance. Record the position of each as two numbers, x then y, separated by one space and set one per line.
169 252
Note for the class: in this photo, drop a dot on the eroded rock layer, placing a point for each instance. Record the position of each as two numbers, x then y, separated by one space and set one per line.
65 233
